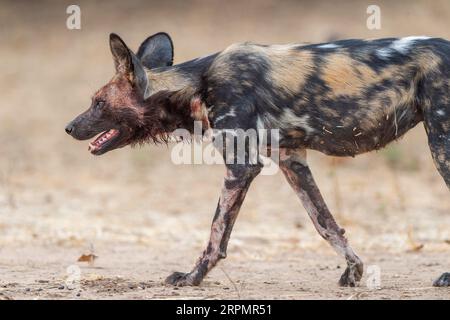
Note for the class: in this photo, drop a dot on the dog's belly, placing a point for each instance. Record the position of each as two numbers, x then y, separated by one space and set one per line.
351 134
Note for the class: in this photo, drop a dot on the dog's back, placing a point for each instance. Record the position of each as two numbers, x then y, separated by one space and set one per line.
342 98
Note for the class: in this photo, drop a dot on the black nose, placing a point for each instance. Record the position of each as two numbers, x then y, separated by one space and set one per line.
69 128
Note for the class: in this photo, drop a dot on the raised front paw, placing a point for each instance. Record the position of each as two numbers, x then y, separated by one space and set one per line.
351 276
443 280
181 279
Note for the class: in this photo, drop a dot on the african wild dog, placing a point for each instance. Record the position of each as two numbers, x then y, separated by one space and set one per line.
342 98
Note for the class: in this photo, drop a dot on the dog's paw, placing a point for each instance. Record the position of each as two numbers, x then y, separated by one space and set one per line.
443 280
180 279
351 276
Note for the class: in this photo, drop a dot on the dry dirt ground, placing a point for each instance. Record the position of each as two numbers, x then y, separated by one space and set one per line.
134 272
144 217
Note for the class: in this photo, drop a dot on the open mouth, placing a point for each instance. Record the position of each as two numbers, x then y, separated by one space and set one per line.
103 140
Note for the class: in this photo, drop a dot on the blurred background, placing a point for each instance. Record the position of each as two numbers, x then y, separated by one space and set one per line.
56 196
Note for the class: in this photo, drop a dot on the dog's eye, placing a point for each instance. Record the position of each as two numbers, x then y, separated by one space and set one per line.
99 104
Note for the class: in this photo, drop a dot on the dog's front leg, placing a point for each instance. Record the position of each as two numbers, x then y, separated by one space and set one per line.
236 184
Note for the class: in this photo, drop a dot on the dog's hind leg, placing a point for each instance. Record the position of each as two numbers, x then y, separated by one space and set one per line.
437 126
293 164
236 184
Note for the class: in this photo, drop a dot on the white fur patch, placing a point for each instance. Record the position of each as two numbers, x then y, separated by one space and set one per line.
440 112
283 47
259 123
290 119
402 45
328 46
230 113
384 53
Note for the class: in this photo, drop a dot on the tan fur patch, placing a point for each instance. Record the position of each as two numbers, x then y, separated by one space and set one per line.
222 62
168 80
345 76
290 68
428 61
399 99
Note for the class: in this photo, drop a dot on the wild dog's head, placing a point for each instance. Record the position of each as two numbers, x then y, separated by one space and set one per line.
118 110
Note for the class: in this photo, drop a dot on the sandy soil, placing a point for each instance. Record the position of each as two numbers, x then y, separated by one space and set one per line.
134 272
145 217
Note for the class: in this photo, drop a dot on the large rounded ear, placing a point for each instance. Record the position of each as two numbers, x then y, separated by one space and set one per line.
156 51
129 65
121 54
140 77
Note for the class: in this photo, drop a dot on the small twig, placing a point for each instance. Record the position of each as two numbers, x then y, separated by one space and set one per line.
232 282
328 131
395 121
